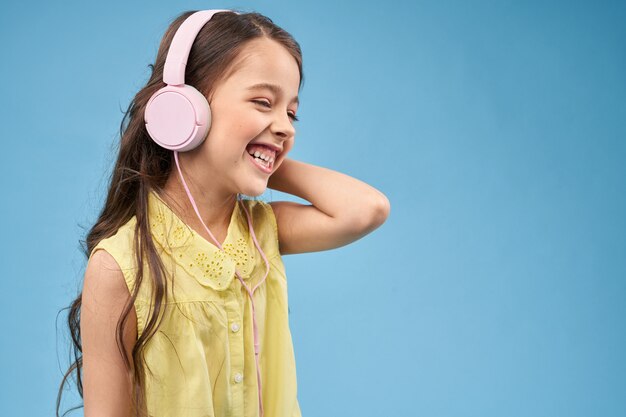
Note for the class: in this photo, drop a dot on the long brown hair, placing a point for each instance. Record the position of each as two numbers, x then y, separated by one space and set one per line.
142 165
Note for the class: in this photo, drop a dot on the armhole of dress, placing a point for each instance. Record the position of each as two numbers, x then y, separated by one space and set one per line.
271 217
118 259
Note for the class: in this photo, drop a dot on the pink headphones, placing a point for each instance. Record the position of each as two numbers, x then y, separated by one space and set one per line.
178 118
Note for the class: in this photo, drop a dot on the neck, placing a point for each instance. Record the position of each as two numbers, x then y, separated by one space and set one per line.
215 208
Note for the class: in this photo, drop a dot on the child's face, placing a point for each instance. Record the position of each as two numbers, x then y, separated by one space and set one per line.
238 120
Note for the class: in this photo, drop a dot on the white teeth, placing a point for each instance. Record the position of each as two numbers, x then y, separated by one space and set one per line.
263 162
263 156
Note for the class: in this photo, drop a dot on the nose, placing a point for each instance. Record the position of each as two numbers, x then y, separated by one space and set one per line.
282 127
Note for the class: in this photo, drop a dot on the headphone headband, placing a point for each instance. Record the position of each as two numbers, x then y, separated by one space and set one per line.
176 61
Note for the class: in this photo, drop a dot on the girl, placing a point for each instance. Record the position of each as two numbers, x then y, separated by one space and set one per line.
183 310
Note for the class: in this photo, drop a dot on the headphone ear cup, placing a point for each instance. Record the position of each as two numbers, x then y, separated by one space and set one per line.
178 118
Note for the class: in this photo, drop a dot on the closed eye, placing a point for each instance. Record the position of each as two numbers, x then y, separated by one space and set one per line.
266 104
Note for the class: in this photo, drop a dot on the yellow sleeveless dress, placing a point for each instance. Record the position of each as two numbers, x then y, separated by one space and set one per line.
202 356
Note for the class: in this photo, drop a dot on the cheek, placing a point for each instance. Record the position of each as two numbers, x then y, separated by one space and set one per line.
232 139
247 130
242 129
235 123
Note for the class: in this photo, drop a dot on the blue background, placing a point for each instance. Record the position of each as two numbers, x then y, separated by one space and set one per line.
497 286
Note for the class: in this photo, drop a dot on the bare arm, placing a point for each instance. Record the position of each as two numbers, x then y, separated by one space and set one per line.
106 382
343 208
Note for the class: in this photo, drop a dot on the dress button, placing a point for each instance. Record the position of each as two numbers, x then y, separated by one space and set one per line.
238 377
234 327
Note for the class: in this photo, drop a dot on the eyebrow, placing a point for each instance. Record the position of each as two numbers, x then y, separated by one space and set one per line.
273 88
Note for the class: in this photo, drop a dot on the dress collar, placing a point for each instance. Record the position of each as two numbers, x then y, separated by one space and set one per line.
200 258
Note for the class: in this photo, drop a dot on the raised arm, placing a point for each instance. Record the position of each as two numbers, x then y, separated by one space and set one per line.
343 208
106 382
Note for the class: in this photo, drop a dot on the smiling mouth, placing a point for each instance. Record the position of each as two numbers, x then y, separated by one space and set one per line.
265 167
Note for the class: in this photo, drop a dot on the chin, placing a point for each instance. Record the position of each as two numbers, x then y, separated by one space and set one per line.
254 190
254 194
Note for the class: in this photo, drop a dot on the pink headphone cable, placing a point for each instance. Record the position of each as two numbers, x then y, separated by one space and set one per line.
250 293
